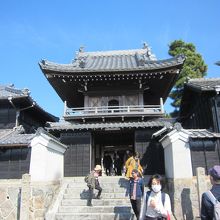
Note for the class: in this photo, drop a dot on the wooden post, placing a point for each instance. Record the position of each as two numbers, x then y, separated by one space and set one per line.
201 183
64 111
25 197
161 105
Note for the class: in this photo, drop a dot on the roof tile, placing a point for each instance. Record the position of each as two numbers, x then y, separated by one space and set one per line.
63 125
204 84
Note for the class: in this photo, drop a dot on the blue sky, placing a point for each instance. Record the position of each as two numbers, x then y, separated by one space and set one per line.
54 30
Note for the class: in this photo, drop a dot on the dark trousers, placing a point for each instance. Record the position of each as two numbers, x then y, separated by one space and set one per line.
108 171
118 171
91 191
136 206
150 218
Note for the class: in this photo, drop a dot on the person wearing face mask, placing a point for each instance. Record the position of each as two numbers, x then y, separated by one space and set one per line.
156 204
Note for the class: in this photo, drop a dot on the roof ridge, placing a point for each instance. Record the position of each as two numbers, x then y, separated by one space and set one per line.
117 52
204 79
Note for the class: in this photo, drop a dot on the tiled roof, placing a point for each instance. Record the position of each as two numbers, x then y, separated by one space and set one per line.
203 84
14 93
14 137
63 125
10 91
194 134
202 133
123 60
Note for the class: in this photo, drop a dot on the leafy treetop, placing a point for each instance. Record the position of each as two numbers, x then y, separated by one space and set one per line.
194 67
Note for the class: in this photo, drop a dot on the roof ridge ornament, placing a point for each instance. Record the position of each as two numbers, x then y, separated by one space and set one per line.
80 59
145 45
148 55
81 49
180 58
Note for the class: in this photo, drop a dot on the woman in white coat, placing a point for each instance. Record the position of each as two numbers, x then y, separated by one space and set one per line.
156 204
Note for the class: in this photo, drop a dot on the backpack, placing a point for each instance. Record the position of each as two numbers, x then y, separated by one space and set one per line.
86 178
216 204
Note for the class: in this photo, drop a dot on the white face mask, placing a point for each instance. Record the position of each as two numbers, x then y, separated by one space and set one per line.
156 188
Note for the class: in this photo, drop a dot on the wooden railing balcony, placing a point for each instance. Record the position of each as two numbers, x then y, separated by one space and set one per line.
113 111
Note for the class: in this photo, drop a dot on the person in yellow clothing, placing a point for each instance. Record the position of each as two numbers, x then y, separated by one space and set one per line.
133 162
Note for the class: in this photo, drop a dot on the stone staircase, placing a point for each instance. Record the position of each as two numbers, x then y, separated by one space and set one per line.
113 205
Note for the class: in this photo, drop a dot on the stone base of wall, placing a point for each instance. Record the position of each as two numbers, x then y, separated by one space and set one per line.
10 191
42 196
184 197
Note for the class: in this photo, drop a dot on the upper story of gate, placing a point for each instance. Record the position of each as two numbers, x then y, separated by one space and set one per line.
113 84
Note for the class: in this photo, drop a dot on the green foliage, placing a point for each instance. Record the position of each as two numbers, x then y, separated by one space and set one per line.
194 67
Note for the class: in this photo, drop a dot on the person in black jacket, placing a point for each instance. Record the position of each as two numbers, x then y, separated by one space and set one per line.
107 162
207 207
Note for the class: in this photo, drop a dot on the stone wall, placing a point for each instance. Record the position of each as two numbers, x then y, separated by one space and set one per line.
42 195
38 197
10 191
185 198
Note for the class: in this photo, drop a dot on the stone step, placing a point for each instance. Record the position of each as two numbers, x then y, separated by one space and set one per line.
114 202
107 179
95 202
123 184
112 189
95 216
95 209
85 195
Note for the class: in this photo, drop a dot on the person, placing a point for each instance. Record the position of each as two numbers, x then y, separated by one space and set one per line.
107 163
127 155
133 163
93 183
118 163
207 206
156 204
136 192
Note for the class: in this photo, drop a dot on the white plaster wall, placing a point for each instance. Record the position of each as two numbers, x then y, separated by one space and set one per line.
54 165
46 159
177 155
38 162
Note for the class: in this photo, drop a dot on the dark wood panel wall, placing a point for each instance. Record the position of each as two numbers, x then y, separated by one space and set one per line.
152 153
7 117
14 162
216 113
77 158
201 115
204 153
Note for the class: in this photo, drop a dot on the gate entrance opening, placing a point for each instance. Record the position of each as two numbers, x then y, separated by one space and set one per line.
115 144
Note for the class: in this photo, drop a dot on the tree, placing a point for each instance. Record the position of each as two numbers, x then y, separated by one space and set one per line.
194 67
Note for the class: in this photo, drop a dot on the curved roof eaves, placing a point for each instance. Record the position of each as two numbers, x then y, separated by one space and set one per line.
112 64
